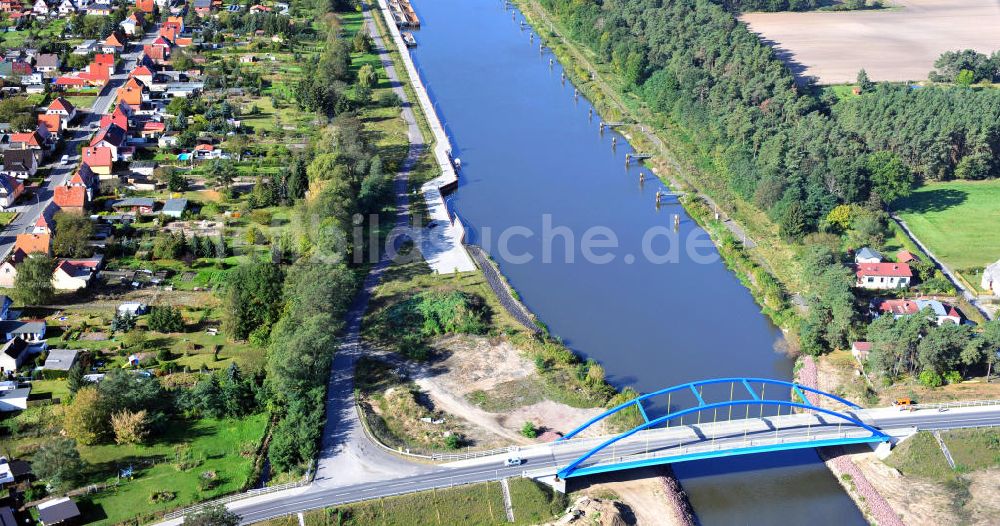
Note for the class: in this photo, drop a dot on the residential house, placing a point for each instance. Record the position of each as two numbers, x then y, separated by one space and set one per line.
132 24
861 350
73 199
31 331
100 9
19 162
32 242
60 359
170 31
113 137
145 6
881 276
67 8
59 512
61 106
142 167
867 255
144 74
75 274
12 398
84 48
99 160
152 129
11 6
133 92
8 271
84 178
940 312
991 278
13 354
136 205
158 51
170 140
115 42
55 124
119 117
174 207
33 140
40 9
48 64
46 224
203 7
10 190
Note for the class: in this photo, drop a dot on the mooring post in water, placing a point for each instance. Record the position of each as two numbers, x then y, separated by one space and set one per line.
601 125
628 159
551 62
614 142
657 199
563 77
541 49
531 37
677 222
642 177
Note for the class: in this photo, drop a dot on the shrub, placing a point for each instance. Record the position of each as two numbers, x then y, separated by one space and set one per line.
529 430
931 379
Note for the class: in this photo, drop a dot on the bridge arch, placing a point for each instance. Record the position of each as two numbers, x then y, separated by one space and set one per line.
748 398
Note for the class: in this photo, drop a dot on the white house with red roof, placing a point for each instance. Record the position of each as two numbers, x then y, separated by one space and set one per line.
75 274
61 106
143 73
111 136
883 276
939 311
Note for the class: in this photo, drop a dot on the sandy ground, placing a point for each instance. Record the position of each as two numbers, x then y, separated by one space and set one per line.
933 505
482 364
643 491
898 44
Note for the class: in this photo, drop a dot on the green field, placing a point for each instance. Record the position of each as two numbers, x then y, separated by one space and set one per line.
957 221
476 504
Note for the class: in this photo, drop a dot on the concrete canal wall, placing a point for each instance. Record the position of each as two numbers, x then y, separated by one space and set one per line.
443 246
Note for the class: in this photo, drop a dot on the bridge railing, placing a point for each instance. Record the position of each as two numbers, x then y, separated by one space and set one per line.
177 514
965 403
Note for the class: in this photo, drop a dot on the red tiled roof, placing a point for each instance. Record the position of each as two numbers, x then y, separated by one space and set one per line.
51 121
153 126
72 80
905 256
29 243
104 59
204 147
100 156
862 346
62 104
884 269
141 70
29 138
70 196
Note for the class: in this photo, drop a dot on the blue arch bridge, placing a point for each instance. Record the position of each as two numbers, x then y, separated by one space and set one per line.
718 418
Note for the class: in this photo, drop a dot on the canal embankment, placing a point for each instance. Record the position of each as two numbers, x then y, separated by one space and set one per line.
442 245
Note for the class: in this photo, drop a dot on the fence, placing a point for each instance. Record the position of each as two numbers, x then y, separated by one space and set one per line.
240 496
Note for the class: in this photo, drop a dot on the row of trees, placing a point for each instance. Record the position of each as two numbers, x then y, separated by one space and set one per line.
949 67
795 154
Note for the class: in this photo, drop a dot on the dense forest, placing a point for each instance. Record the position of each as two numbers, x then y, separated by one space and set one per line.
791 149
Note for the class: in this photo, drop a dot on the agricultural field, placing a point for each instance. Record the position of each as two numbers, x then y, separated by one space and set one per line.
908 36
957 221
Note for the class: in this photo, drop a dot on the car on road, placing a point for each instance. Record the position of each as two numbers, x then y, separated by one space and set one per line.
513 461
64 159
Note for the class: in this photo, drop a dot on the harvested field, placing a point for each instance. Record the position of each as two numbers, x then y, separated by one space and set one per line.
898 44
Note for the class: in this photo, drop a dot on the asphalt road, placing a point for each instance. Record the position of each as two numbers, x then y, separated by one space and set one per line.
550 457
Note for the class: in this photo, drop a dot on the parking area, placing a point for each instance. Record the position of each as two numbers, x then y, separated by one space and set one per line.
897 44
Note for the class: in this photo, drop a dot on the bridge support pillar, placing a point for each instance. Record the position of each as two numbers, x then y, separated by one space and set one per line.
556 483
882 450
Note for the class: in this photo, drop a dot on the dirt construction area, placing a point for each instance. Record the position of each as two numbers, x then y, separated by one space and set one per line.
896 44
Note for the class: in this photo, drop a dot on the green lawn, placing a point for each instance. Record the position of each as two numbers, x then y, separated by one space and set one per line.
957 221
225 447
921 456
478 504
7 217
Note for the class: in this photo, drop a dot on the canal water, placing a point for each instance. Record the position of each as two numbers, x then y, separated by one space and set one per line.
545 193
